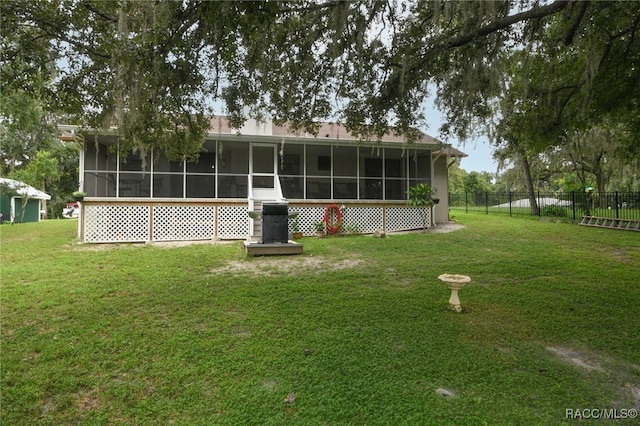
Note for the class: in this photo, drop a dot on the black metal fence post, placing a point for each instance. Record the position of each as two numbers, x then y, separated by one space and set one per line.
617 205
486 201
573 204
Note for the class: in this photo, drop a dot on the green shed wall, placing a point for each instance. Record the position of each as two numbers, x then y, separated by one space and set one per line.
31 210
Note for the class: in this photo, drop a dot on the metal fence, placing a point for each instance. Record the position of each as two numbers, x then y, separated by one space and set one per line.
569 206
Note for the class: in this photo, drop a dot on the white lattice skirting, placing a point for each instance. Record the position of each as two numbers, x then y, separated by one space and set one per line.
131 222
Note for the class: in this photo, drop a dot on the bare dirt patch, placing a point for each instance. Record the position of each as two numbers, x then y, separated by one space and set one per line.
443 228
278 265
622 375
88 402
574 357
440 228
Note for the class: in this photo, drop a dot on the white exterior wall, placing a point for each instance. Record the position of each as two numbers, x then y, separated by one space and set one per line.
441 183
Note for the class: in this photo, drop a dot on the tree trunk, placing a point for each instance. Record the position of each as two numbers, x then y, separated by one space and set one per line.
600 172
533 202
43 203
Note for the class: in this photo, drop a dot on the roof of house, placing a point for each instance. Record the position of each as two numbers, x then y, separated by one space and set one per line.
450 152
327 132
23 189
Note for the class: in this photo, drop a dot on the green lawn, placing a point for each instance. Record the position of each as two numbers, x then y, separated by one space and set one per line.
355 331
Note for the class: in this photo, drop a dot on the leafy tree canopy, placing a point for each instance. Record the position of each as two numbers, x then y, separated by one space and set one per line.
154 69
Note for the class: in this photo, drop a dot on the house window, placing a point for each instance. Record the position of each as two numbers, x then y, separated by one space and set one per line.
345 161
168 185
324 163
292 186
319 188
206 163
233 169
100 166
232 186
135 175
233 158
291 170
318 160
420 165
345 188
395 178
201 186
200 178
134 184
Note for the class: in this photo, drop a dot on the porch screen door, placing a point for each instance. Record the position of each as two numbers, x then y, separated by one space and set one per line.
263 171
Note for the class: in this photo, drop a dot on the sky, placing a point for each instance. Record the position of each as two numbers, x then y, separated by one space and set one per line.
478 150
479 156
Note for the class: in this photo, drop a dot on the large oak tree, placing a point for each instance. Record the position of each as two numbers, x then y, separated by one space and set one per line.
154 69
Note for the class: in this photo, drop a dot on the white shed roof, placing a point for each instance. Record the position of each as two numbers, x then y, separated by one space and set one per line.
24 189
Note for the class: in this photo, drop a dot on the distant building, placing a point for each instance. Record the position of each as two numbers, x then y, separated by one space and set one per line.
20 202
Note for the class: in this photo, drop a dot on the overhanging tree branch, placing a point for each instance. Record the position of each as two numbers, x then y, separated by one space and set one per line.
573 27
506 22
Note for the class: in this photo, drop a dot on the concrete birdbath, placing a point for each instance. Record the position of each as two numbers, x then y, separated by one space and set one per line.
455 283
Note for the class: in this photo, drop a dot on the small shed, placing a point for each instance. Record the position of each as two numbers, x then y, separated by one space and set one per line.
20 202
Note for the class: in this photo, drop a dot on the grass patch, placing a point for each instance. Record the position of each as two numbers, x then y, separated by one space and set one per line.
355 331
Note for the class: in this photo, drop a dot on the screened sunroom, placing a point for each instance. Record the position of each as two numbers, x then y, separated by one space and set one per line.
143 196
306 171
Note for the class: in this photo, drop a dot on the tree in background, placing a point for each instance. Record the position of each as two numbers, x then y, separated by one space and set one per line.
54 172
456 179
30 102
31 152
477 184
563 87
